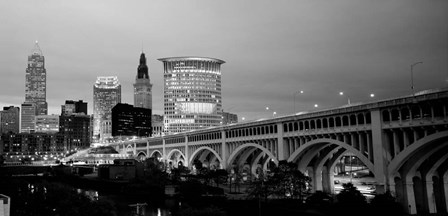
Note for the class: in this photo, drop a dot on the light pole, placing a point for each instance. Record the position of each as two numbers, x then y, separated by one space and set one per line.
348 98
274 113
412 76
294 96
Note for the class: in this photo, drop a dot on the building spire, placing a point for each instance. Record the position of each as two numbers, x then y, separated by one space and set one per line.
142 70
36 50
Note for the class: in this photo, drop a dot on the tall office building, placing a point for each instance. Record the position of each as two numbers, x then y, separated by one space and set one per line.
75 125
9 120
192 93
28 121
142 86
128 120
36 81
106 94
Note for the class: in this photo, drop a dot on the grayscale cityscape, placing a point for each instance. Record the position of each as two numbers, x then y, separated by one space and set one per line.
251 108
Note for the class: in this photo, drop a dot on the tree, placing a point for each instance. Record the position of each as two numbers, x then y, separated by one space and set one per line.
219 176
260 188
350 195
386 203
288 181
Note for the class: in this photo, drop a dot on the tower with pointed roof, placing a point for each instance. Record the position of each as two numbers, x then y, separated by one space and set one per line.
142 85
36 83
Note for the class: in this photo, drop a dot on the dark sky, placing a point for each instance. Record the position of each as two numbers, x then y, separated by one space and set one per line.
271 48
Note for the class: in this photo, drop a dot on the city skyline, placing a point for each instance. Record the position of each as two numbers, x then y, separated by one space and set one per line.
272 49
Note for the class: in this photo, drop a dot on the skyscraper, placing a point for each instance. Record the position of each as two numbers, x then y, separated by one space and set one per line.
106 94
192 93
142 86
36 81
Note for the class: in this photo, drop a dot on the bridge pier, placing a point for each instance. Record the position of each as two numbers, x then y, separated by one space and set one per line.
378 152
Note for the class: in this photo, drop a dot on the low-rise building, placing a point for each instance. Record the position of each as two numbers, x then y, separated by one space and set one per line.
5 205
122 169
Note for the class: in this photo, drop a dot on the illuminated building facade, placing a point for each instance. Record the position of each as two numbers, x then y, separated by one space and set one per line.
28 120
192 93
142 86
9 120
157 125
36 81
106 94
47 124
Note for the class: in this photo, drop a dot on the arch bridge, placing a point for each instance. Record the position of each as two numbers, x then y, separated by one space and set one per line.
403 141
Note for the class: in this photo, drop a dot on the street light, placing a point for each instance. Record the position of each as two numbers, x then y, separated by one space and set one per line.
294 96
372 95
348 98
315 105
412 76
274 113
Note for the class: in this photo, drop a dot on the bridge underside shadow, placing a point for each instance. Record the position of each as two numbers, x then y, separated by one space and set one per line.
318 159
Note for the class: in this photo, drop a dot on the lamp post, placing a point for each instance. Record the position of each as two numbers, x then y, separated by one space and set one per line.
412 76
294 96
348 98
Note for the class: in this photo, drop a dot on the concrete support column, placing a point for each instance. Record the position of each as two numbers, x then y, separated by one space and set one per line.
410 197
405 138
378 152
135 148
396 143
147 149
187 154
431 199
445 190
164 156
325 180
224 152
361 142
280 145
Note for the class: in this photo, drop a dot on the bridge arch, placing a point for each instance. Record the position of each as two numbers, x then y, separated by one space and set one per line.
240 148
141 155
325 142
181 157
195 154
130 148
408 152
154 152
413 188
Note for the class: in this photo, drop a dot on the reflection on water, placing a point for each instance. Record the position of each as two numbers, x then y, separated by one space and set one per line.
91 194
127 205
